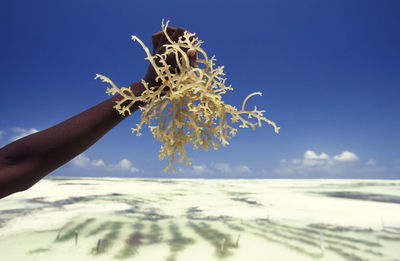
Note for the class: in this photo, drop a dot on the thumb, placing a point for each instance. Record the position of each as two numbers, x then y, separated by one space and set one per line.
192 54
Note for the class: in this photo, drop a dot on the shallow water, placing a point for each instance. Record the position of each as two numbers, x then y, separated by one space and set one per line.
159 219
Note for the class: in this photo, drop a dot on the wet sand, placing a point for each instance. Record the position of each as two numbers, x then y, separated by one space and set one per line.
167 219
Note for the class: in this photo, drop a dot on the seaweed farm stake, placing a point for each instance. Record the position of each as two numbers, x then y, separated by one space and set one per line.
321 241
237 241
98 246
222 245
76 237
59 234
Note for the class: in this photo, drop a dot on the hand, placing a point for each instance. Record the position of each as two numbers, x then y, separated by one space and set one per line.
159 39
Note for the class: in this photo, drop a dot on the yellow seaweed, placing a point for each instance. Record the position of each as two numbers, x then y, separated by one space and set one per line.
187 107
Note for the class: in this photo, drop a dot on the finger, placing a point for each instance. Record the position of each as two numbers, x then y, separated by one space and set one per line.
156 40
192 54
171 59
173 33
191 38
170 31
175 37
178 33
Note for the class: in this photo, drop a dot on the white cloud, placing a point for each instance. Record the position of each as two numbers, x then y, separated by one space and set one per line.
125 164
346 156
98 163
311 158
313 162
311 155
242 169
221 167
194 169
83 161
199 169
216 169
21 132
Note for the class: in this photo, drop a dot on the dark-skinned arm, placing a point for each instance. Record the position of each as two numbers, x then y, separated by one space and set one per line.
27 160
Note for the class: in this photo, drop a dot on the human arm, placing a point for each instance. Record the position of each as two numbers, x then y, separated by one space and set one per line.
27 160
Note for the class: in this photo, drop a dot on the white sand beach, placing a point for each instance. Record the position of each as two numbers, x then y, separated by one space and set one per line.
195 219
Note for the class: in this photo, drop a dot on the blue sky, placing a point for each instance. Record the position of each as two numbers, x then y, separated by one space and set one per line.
329 72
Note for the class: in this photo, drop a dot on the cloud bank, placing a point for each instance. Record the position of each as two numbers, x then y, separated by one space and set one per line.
216 170
21 132
322 163
83 162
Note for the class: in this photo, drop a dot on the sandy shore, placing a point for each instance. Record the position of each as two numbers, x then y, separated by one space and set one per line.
160 219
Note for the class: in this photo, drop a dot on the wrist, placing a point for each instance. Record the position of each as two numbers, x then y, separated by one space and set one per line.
137 88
